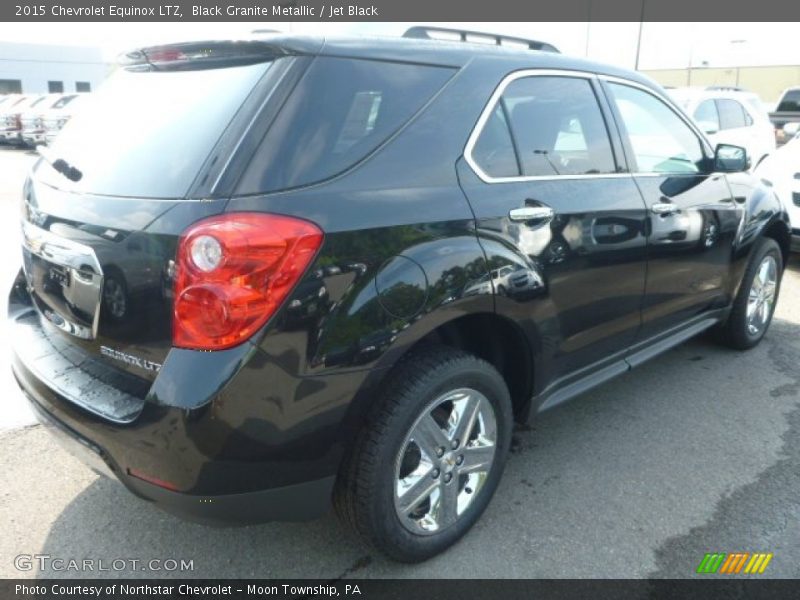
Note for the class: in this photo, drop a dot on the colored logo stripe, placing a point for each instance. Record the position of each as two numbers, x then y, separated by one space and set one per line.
758 563
710 563
734 563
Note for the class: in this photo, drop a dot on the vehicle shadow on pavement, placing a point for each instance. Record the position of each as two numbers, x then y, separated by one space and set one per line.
604 486
106 521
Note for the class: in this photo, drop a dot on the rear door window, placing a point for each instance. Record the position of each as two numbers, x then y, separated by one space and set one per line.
545 126
731 114
494 149
706 116
340 112
558 127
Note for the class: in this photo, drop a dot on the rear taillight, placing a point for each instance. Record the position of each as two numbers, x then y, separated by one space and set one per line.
233 272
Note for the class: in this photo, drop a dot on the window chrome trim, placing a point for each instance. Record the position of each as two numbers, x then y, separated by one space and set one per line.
489 108
523 73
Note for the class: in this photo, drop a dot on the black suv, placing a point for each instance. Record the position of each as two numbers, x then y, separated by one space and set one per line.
262 277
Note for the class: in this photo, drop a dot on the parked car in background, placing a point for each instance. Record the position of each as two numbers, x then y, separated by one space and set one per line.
786 117
730 116
33 118
56 118
7 99
381 253
782 171
10 116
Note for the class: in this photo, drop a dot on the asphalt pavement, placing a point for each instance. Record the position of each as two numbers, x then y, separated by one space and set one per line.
696 451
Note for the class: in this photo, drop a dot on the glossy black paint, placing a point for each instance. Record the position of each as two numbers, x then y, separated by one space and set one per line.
417 248
689 251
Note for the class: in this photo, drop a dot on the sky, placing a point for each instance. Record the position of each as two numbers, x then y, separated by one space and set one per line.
664 45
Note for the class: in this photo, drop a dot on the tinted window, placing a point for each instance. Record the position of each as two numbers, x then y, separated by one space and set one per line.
37 101
790 102
63 101
146 134
83 86
661 141
706 116
731 114
339 112
557 126
55 87
10 86
494 150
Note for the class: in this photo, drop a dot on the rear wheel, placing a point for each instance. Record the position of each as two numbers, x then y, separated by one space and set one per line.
115 296
430 457
755 303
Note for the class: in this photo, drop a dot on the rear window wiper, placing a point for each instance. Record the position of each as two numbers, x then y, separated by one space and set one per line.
59 164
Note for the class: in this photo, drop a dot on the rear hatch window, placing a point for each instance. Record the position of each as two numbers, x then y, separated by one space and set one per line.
339 113
146 134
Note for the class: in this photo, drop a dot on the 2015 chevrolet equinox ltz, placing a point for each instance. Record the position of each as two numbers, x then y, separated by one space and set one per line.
263 276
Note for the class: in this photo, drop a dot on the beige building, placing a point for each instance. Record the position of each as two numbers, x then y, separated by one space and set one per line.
768 82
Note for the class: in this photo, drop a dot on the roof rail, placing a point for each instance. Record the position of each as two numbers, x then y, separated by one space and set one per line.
725 88
477 37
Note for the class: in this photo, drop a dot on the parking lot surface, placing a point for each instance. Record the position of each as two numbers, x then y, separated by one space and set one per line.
696 451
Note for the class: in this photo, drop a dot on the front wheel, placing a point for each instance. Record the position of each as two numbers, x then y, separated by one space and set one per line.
430 456
755 303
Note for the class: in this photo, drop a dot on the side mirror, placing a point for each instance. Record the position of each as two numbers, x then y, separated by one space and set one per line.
791 129
708 127
730 159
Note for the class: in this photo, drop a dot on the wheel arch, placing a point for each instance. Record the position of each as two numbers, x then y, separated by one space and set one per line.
779 231
492 337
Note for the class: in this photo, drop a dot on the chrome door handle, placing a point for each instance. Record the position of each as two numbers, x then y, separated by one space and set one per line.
542 214
664 208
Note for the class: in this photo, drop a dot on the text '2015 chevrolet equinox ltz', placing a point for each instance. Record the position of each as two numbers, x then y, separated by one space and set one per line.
267 276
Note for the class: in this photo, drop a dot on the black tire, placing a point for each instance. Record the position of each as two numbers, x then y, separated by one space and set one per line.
735 332
365 493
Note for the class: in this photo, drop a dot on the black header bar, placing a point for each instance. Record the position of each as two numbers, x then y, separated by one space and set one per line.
449 11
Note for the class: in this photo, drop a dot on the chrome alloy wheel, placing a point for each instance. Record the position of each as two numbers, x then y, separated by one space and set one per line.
762 295
445 461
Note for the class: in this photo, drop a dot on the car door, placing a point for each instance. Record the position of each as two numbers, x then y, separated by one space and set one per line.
693 217
736 126
560 219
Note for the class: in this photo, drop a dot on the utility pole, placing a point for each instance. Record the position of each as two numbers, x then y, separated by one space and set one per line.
639 40
588 26
738 59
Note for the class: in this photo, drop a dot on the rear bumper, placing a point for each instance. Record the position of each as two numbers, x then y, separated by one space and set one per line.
298 502
232 436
